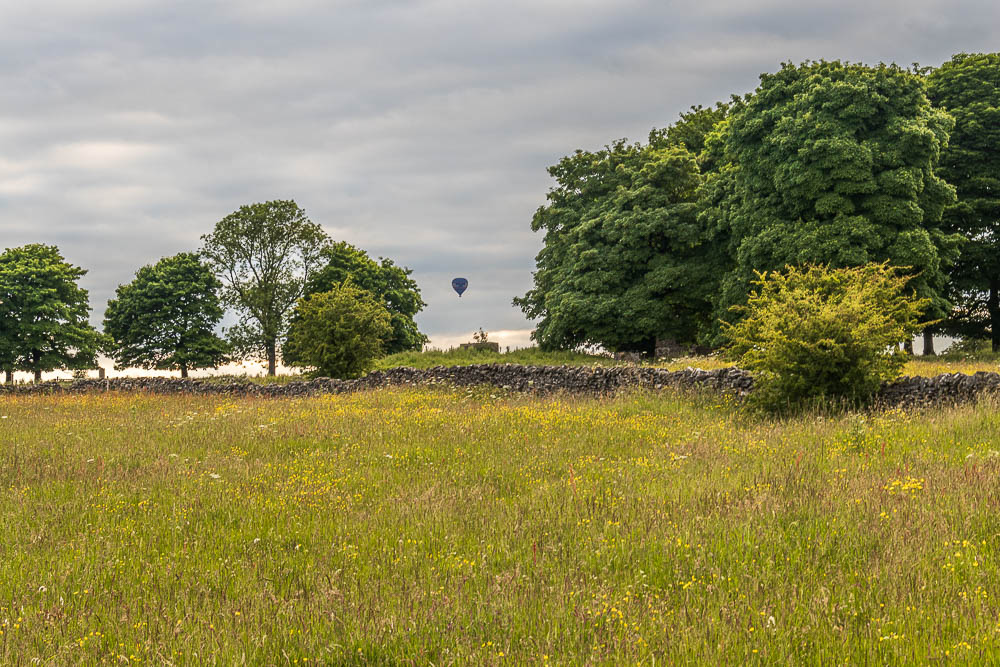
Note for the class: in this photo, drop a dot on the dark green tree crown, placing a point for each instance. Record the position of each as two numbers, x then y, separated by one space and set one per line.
166 317
43 314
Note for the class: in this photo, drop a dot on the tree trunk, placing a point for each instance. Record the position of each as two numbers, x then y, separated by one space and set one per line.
272 356
36 358
993 305
8 376
908 346
928 343
184 370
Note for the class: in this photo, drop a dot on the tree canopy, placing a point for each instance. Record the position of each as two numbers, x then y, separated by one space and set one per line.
166 317
388 283
968 88
264 254
692 130
834 163
620 264
43 312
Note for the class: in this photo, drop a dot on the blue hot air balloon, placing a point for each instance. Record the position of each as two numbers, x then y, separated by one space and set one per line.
459 285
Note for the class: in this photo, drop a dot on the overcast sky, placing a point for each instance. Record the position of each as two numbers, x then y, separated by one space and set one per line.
417 130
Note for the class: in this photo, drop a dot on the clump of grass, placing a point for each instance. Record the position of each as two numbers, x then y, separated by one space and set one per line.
285 378
465 357
931 366
454 527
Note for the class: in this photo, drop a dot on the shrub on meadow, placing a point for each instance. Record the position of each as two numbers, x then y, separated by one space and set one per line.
338 333
815 335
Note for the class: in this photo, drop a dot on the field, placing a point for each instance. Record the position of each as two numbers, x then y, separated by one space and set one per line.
452 527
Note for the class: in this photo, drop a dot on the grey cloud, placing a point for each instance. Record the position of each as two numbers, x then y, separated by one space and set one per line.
419 130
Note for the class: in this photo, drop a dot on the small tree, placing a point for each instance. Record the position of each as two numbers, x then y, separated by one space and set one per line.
339 333
166 317
389 283
813 333
43 312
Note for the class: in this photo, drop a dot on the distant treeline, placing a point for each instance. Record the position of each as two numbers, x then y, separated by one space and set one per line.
824 163
320 304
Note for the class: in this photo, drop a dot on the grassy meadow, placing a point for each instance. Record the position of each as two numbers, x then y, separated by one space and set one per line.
455 527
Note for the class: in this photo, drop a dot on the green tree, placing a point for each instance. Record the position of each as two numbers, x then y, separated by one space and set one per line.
340 333
165 318
812 333
692 130
389 283
43 312
623 256
968 88
832 163
264 254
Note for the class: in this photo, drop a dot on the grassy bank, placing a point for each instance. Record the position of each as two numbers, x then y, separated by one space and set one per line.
923 366
460 357
426 526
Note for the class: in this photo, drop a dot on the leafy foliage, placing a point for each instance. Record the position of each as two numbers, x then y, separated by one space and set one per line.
812 333
265 254
340 333
43 312
389 283
620 262
165 318
624 260
968 88
692 130
833 163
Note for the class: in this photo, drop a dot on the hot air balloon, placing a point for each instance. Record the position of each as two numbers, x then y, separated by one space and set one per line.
459 285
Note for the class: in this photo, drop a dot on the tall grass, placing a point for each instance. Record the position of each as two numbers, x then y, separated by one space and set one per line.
465 357
931 366
439 527
923 366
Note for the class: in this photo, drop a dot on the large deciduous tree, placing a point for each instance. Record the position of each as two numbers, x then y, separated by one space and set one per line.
968 88
833 163
264 254
624 260
43 312
166 317
390 284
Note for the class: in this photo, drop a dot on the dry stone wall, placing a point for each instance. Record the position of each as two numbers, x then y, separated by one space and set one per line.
953 388
947 388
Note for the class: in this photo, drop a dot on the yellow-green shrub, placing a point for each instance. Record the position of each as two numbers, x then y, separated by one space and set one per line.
813 333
